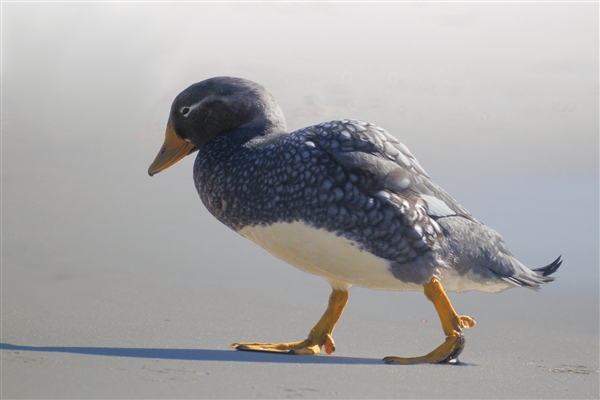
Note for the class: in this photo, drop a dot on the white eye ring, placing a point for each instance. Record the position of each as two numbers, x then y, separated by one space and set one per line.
185 111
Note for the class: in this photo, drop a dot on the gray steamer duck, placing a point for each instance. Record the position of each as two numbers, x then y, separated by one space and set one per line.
344 200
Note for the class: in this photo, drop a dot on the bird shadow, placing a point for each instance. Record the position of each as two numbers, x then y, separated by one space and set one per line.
203 355
195 355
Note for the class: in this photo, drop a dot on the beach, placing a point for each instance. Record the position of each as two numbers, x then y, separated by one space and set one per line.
109 334
118 285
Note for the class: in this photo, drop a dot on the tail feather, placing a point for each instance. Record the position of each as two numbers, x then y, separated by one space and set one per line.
525 277
550 268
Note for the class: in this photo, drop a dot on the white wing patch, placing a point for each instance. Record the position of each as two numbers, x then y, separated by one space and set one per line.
437 207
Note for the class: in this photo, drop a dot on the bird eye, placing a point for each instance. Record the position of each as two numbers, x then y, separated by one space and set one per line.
185 111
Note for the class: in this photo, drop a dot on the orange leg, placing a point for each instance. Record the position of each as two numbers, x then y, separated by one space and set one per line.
318 337
452 324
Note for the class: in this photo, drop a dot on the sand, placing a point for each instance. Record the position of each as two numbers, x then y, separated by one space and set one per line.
117 285
109 334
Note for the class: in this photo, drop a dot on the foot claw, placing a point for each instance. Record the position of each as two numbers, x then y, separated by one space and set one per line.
445 353
329 344
466 322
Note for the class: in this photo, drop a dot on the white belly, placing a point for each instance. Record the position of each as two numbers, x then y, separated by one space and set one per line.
320 252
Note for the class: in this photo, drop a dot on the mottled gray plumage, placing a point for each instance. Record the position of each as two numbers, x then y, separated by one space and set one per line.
348 177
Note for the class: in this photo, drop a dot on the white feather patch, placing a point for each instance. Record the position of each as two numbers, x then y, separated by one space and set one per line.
323 253
342 264
437 207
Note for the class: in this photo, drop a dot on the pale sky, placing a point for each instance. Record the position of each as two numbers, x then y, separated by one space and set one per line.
518 79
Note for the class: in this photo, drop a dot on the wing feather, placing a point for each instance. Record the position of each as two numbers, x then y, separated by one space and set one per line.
369 150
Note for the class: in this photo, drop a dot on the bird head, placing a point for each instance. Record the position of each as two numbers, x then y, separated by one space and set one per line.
215 107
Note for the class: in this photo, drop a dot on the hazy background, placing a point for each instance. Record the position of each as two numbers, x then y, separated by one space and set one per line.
498 101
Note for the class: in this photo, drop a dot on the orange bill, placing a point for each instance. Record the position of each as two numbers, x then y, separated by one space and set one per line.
173 150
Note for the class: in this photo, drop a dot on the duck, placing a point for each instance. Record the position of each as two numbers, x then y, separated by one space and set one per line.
344 200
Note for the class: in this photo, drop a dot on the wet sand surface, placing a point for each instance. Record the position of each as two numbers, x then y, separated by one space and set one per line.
115 285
